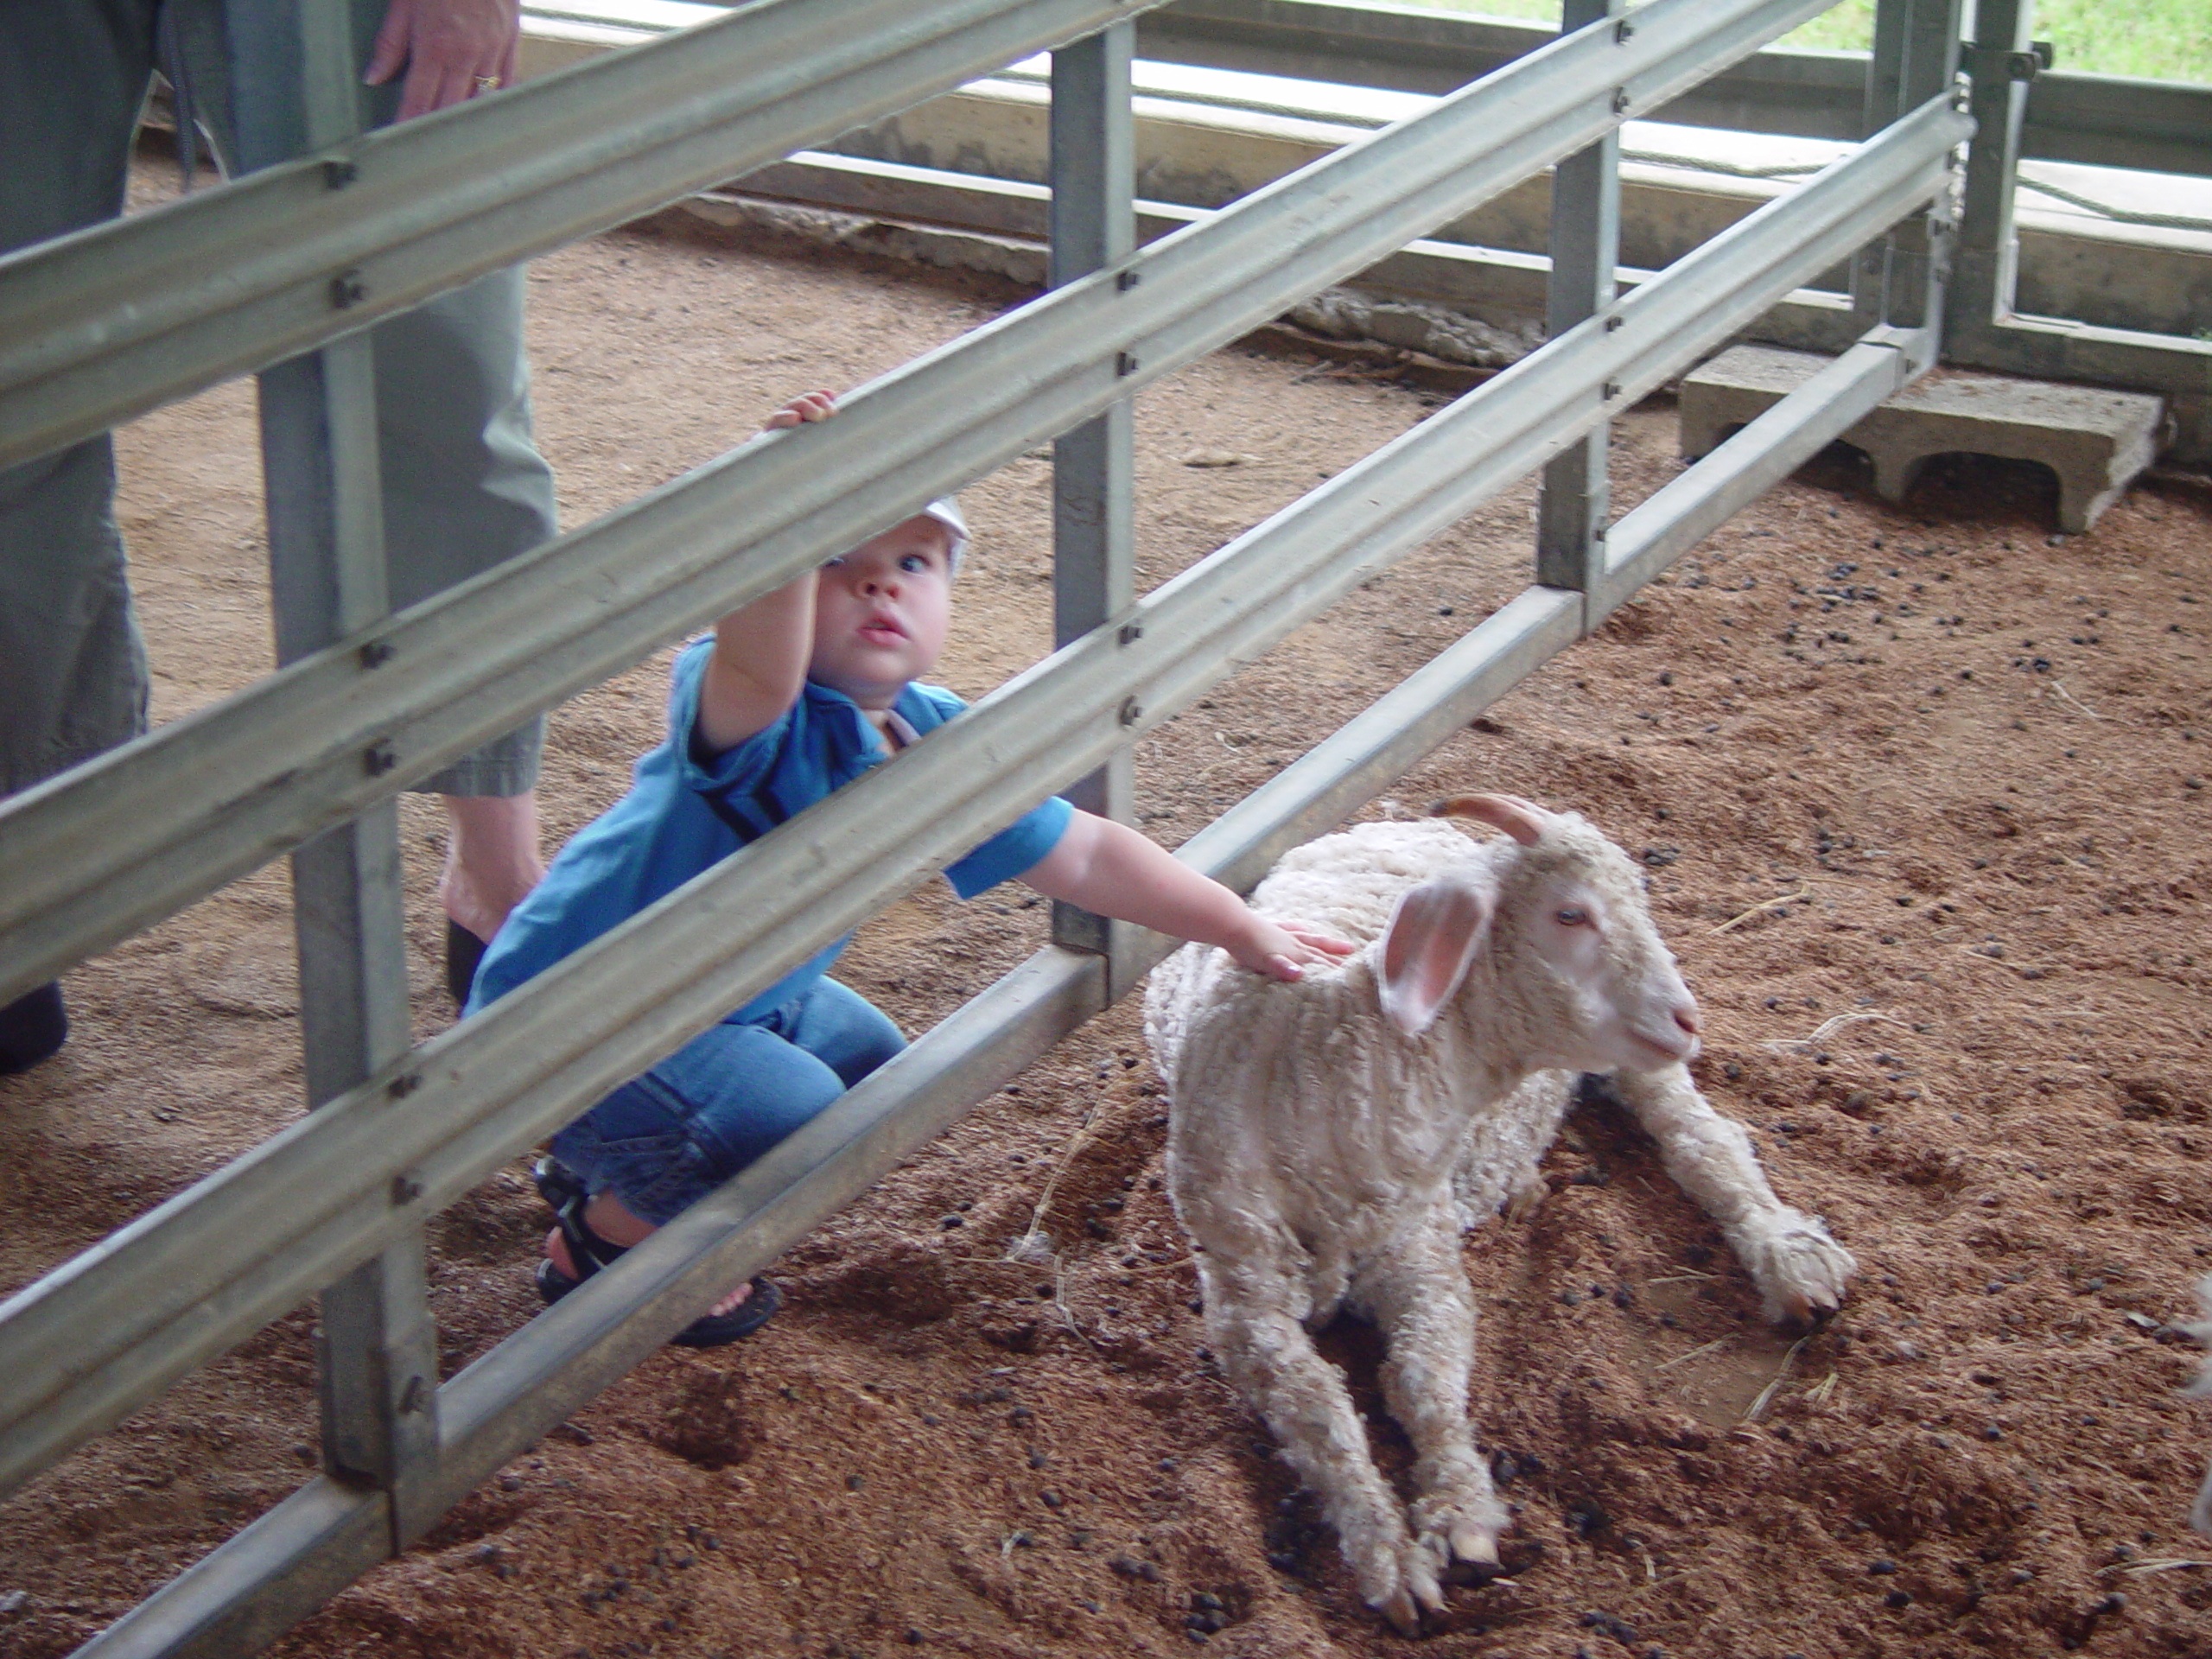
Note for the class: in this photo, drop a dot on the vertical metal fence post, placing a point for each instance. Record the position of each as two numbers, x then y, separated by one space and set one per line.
1093 228
1999 66
1902 278
298 82
1573 502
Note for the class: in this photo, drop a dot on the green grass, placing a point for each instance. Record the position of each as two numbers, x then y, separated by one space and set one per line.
2165 39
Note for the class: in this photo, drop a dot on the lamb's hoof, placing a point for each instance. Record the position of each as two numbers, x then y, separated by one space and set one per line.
1476 1544
1415 1592
1804 1313
1404 1616
1515 1557
1803 1271
1456 1526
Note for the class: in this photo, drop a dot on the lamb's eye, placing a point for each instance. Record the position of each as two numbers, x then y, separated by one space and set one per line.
1571 917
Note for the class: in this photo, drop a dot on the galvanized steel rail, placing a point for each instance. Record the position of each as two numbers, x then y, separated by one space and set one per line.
124 317
87 858
2106 120
276 1223
2024 109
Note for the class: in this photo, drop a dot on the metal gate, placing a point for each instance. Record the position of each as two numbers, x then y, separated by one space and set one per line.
111 322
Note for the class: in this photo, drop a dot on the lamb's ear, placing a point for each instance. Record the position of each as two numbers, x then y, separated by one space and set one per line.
1522 820
1433 937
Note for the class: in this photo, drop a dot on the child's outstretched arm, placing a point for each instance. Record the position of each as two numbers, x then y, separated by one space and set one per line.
1109 867
760 652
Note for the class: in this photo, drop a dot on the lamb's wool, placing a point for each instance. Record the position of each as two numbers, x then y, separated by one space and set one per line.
1321 1156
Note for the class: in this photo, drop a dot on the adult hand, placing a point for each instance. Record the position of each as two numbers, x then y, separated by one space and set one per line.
451 49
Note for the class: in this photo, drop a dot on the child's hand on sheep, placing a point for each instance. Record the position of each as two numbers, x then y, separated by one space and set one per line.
807 406
1285 951
1111 870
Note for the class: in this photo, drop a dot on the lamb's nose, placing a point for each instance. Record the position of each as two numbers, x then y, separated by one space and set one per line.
1686 1016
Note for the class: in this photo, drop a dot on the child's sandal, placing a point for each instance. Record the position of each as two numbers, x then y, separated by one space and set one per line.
563 1190
556 1182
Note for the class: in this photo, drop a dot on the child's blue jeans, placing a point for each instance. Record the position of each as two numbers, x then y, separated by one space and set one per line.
665 1140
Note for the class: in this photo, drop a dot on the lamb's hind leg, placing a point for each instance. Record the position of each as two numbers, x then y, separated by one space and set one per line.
1799 1269
1420 1299
1271 1361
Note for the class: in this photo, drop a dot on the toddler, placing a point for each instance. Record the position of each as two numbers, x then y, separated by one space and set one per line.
793 697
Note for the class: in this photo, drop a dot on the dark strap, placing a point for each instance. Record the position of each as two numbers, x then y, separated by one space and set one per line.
748 818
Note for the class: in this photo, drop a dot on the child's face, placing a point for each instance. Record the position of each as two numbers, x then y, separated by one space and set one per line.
880 612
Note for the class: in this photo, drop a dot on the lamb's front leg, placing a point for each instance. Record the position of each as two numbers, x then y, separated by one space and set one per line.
1420 1297
1800 1271
1271 1361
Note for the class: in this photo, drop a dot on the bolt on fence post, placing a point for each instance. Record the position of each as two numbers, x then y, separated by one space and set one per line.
1094 228
375 1349
1901 278
1586 233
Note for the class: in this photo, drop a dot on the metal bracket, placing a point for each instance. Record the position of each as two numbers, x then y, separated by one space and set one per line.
2001 63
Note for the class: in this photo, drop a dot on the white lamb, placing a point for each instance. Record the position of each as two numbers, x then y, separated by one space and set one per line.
1330 1139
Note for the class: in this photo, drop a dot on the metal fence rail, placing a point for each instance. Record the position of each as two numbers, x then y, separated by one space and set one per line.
122 318
2137 327
2024 109
2106 120
89 857
94 1340
92 855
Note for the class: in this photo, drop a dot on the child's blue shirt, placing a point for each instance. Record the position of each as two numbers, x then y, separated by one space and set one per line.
683 814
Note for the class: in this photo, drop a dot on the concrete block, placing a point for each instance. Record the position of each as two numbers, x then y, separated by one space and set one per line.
2096 441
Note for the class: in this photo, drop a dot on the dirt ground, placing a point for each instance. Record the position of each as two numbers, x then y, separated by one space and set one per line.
1920 795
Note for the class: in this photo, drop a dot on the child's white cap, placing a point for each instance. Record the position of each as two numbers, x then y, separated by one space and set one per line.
946 511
